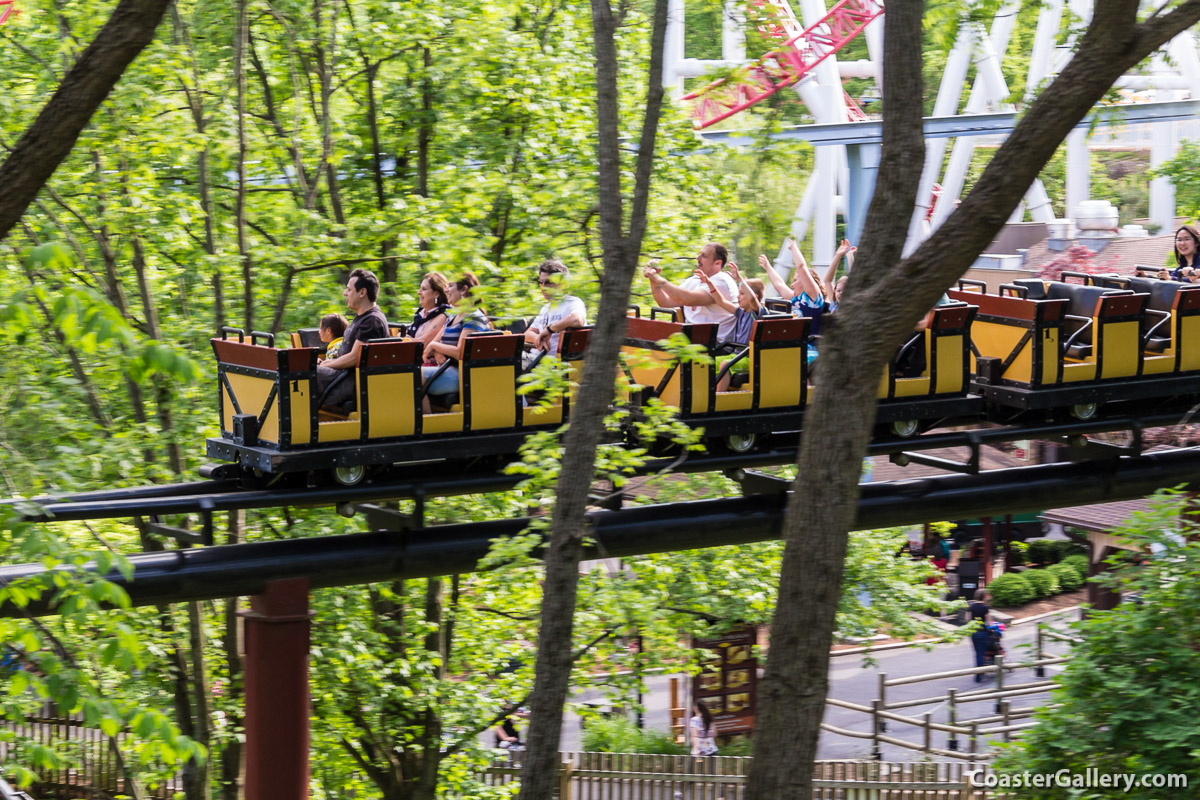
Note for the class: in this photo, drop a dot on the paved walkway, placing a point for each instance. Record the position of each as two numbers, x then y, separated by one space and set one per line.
850 681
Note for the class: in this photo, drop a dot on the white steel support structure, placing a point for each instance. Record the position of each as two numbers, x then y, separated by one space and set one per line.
827 192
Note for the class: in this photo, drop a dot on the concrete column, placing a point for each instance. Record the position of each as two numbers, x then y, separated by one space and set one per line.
1079 179
1162 191
864 167
278 626
673 53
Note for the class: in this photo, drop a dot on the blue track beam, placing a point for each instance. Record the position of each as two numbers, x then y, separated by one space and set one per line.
871 132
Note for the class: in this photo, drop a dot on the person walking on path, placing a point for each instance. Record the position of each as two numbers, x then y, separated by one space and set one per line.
701 727
979 638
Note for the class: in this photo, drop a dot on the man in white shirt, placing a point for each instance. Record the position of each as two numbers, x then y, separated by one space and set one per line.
693 296
557 315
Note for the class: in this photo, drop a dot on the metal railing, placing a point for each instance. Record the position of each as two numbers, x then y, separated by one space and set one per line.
1006 722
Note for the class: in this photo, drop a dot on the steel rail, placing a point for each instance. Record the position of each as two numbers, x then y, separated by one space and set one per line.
187 489
214 496
245 569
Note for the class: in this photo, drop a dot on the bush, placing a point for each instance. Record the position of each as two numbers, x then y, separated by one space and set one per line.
1079 564
1011 589
1019 552
1043 582
1068 577
620 735
1043 551
1066 547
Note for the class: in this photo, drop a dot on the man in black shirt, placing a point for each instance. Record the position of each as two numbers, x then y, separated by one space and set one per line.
369 323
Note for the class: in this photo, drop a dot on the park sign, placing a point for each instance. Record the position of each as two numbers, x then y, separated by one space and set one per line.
728 678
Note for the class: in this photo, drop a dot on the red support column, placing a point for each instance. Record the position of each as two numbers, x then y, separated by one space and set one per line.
277 700
989 547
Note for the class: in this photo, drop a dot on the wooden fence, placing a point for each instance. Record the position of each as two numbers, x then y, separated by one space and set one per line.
630 776
93 763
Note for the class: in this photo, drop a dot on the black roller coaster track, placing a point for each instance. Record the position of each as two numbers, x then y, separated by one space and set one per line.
245 569
436 479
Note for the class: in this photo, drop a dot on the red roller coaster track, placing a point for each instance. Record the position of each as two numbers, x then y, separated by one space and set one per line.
800 53
7 9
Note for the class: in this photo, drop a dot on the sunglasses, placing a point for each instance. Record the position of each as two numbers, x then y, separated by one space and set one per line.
546 282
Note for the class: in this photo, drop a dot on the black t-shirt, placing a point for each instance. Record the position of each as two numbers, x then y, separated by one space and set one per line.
366 326
509 730
978 609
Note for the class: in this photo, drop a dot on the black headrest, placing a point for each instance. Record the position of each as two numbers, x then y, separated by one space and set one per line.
1143 285
1036 287
310 337
1083 298
1162 294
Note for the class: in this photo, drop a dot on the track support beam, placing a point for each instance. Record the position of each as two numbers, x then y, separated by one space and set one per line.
278 627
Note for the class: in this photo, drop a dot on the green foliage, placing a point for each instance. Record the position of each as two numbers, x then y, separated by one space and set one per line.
80 661
1127 700
617 734
1184 173
1079 563
1068 547
1043 551
1043 582
1019 553
1066 575
1011 589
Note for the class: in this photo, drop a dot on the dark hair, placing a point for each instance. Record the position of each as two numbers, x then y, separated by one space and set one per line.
1195 238
467 282
335 324
365 279
980 594
705 716
439 283
720 253
552 266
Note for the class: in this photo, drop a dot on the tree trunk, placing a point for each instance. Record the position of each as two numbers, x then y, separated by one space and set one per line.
239 71
884 297
539 774
52 135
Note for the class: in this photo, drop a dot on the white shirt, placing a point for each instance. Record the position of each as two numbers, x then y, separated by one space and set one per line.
550 315
712 313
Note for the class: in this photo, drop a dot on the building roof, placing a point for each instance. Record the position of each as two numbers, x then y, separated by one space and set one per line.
1099 518
1120 255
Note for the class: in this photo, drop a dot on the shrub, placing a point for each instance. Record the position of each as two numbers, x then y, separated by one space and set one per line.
1019 552
1043 582
1043 551
1079 563
620 735
1067 575
1011 589
1066 547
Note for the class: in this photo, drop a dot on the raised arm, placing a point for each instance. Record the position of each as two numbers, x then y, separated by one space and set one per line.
803 278
658 284
668 295
736 274
844 250
715 295
784 290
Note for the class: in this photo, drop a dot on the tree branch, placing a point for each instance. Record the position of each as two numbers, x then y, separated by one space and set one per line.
52 135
